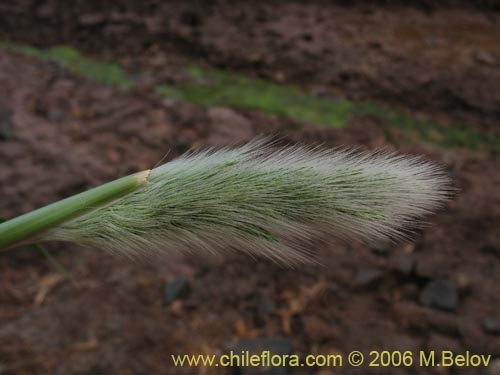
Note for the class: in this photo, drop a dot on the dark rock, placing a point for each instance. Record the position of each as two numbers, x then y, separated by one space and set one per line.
441 294
366 278
275 345
491 326
177 288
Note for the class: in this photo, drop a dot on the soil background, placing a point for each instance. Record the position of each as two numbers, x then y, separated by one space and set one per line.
61 133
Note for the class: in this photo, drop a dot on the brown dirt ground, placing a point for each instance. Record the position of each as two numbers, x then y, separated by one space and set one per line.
441 60
61 134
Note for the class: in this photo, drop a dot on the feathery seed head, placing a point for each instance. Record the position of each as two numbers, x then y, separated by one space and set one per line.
265 201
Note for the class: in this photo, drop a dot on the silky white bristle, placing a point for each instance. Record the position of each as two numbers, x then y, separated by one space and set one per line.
266 201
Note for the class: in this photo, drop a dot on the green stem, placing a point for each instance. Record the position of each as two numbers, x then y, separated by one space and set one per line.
27 226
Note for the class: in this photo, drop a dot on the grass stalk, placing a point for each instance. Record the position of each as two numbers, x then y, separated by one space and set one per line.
25 228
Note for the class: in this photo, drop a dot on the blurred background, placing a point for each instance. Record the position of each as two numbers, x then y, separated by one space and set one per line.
93 90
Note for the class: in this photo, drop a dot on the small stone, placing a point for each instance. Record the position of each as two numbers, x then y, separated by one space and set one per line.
177 288
441 294
367 277
275 345
491 326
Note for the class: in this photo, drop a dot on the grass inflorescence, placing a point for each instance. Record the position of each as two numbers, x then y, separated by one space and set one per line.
264 201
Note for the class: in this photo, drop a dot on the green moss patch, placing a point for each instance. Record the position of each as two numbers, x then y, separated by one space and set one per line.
71 59
217 87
